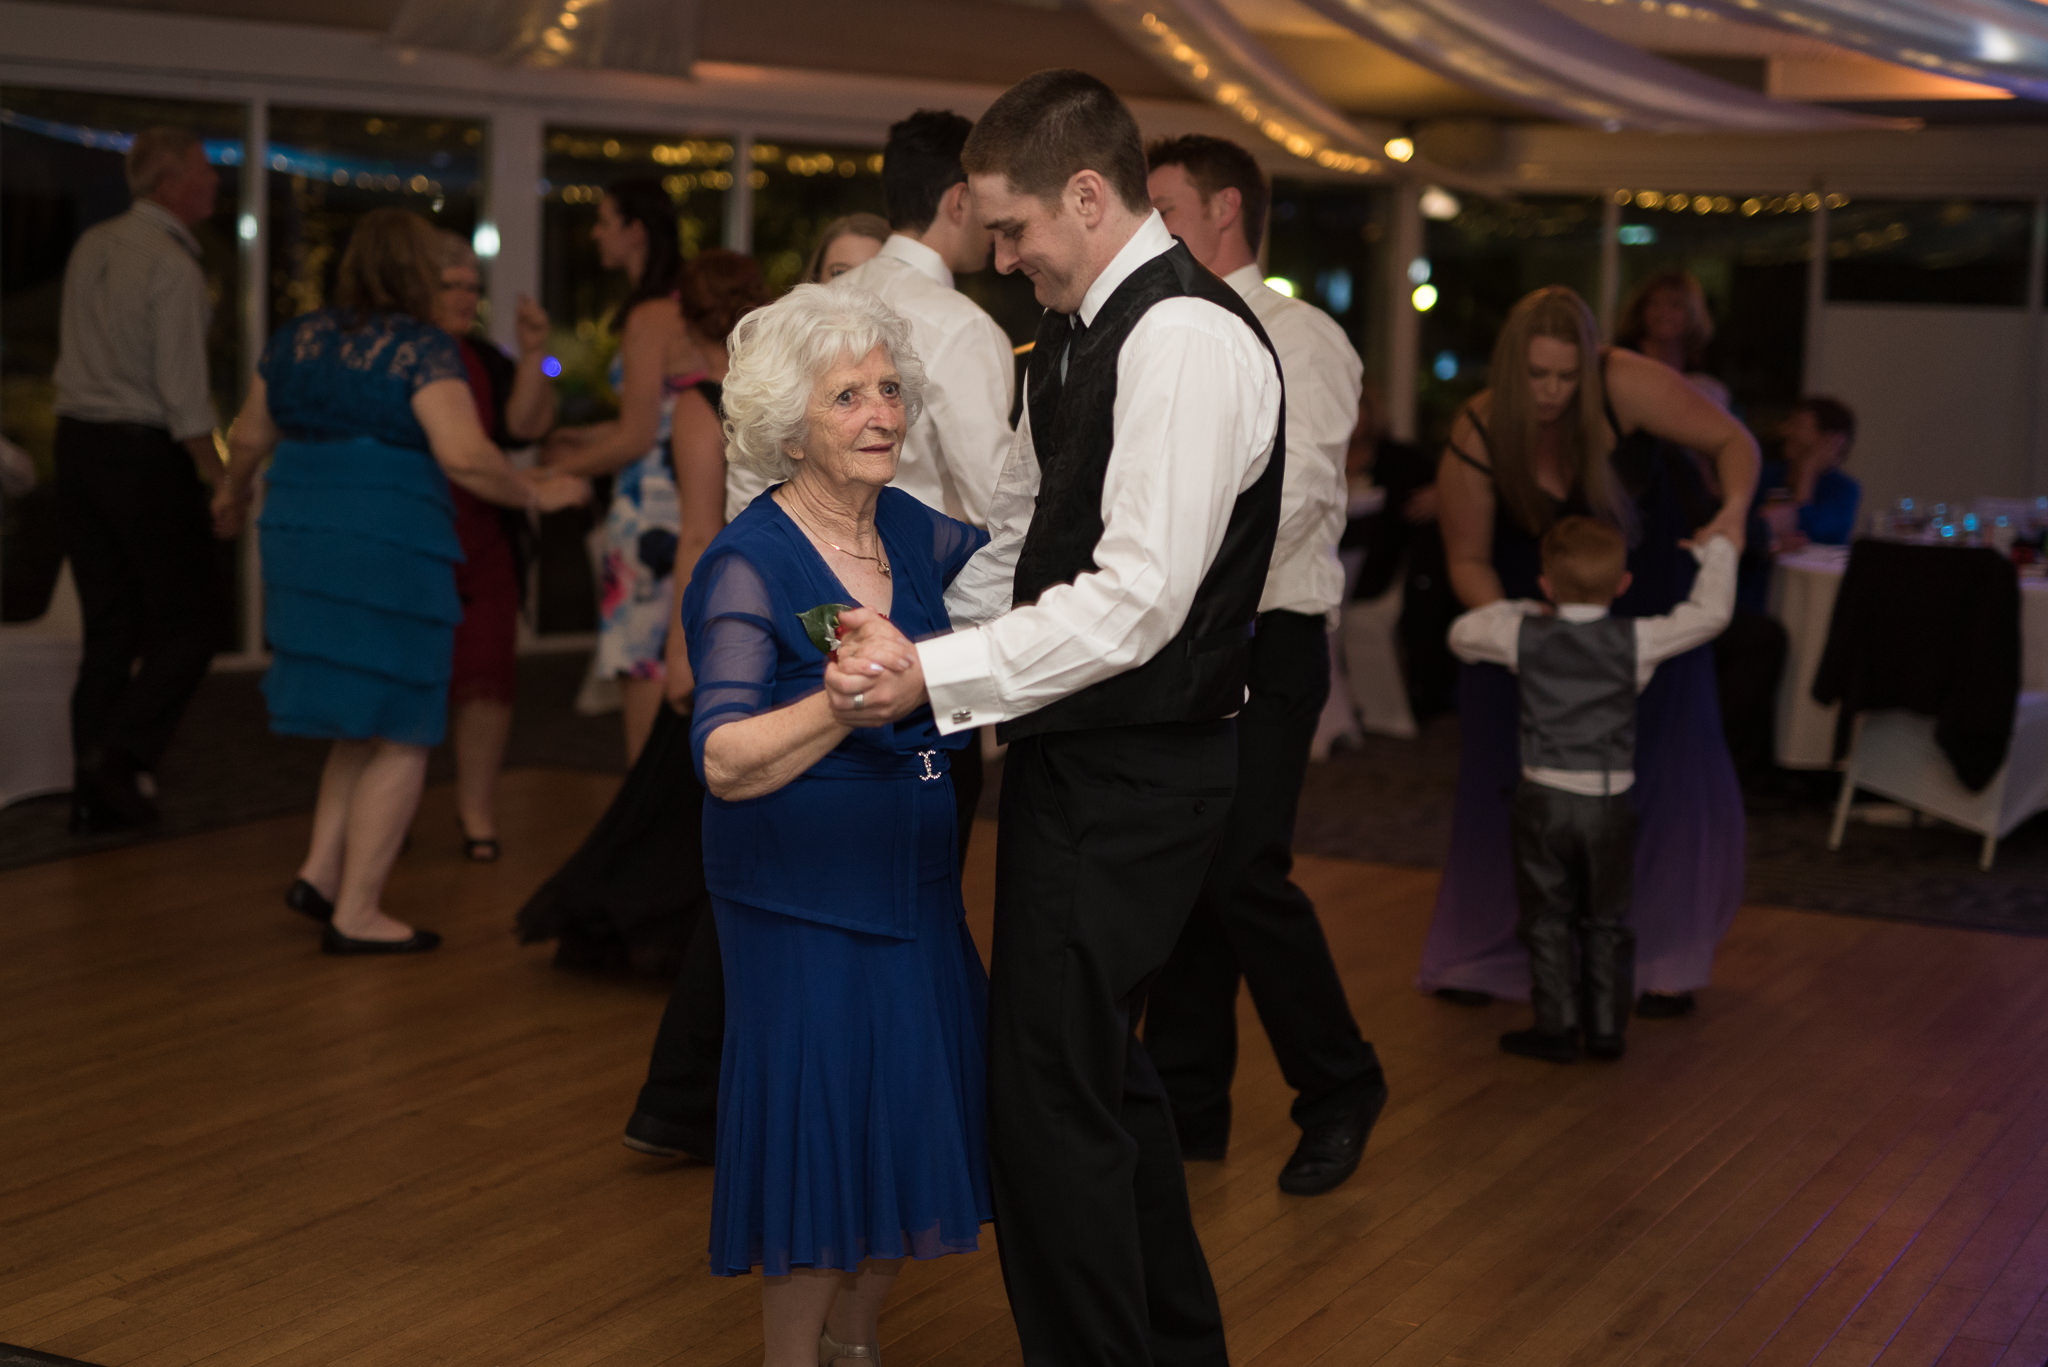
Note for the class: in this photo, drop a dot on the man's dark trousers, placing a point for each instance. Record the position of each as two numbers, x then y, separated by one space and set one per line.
1252 920
682 1074
1104 838
142 553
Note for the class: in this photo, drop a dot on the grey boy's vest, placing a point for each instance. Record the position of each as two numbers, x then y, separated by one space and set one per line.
1578 693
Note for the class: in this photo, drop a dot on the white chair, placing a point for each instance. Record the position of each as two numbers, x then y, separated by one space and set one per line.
1893 753
1372 664
38 666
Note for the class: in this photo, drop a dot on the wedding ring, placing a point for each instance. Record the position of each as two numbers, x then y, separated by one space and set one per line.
860 700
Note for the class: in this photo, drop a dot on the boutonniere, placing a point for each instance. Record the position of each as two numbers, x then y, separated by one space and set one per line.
821 624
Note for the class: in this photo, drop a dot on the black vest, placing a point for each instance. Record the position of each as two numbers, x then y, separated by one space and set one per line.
1200 674
1578 683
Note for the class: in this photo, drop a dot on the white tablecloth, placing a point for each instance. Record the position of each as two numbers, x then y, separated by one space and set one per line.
1803 589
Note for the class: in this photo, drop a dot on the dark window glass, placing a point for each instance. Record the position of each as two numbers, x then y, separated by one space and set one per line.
1482 259
798 189
329 167
1330 242
1750 256
1955 251
60 173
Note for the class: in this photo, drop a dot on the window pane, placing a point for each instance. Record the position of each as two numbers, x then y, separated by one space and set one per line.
1330 242
800 189
60 173
1481 260
1954 251
1750 257
329 167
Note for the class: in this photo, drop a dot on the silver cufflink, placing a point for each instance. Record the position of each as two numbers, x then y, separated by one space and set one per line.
963 716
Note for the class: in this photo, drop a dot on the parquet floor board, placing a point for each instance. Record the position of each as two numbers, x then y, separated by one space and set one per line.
219 1149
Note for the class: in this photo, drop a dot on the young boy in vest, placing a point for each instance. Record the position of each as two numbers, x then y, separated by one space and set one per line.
1573 824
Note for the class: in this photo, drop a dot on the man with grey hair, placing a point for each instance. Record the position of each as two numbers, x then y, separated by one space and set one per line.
134 456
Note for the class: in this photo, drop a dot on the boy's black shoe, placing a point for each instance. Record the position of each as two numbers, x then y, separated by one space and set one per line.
1541 1044
1605 1046
1653 1006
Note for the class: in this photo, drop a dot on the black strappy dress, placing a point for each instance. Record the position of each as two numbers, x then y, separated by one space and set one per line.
1689 851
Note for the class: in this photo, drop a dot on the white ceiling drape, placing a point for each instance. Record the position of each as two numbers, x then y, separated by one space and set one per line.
1550 64
626 35
1994 42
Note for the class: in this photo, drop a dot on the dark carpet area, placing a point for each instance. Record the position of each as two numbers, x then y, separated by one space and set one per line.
1388 802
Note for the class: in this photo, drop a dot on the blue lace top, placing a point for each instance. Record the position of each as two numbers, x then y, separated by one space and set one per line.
750 654
329 379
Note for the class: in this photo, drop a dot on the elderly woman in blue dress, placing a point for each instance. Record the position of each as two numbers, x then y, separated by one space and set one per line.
850 1112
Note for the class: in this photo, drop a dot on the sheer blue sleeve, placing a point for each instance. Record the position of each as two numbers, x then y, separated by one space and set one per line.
729 621
434 355
954 544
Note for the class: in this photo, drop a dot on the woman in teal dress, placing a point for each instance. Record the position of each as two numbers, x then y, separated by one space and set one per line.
365 412
851 1130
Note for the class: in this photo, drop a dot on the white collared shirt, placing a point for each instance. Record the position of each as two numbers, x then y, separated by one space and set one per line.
1493 635
132 333
954 452
1323 375
1197 408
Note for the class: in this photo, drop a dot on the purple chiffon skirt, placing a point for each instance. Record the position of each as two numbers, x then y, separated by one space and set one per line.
1689 849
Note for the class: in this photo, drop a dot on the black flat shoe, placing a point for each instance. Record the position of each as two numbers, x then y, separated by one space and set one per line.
333 941
480 849
1664 1006
306 900
1463 996
1328 1154
1605 1046
1540 1044
657 1138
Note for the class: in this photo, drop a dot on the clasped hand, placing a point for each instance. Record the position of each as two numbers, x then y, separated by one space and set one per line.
876 678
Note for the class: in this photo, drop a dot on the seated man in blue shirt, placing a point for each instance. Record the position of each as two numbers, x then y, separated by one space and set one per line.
1816 439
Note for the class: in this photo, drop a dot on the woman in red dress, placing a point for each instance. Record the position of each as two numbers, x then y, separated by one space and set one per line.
517 406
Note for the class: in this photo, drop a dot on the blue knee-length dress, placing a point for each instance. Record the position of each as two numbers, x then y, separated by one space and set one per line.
851 1118
357 531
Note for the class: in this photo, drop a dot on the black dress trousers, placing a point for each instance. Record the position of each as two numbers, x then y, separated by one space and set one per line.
142 550
1252 920
1105 837
682 1074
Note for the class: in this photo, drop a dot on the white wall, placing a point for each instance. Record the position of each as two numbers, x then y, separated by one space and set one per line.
1944 397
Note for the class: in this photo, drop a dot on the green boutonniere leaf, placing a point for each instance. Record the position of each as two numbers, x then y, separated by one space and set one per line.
821 624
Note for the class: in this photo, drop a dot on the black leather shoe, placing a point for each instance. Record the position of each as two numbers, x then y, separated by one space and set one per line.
1328 1154
1542 1044
1605 1046
306 900
112 798
658 1138
333 941
1652 1006
1463 996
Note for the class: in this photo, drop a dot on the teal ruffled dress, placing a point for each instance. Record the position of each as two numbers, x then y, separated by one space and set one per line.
357 532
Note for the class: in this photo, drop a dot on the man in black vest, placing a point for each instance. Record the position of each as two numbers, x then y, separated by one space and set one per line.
1132 528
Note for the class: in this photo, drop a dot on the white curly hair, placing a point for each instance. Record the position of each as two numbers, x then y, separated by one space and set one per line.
777 355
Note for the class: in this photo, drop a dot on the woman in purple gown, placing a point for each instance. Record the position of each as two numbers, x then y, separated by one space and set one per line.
1569 427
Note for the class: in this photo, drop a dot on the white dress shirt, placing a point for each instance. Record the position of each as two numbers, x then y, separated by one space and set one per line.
1493 635
954 453
1197 408
132 332
1323 375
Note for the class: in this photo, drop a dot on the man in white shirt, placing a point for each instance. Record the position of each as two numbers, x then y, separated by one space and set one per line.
134 455
1106 628
952 457
1251 920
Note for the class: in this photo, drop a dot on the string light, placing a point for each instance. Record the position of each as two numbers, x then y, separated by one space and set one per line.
1400 149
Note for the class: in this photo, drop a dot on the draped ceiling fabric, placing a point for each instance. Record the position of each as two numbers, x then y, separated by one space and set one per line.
626 35
1553 65
1993 42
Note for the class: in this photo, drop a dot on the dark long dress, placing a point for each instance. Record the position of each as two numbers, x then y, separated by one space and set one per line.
630 897
1689 846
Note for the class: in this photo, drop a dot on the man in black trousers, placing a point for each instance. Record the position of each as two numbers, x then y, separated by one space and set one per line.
1251 920
134 455
1131 531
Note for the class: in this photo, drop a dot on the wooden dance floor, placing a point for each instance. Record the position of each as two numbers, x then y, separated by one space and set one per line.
218 1147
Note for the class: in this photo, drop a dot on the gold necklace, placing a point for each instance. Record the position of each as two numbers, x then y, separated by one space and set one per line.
877 561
